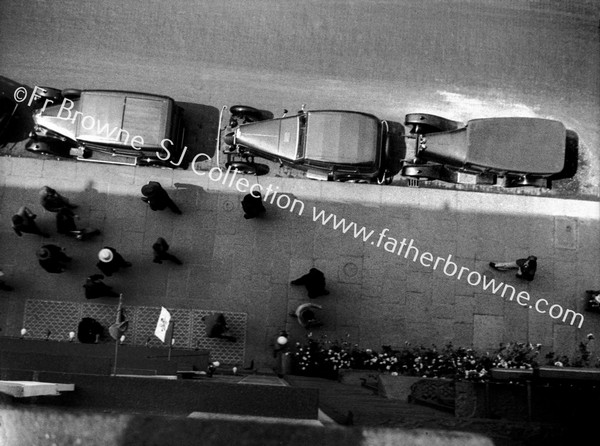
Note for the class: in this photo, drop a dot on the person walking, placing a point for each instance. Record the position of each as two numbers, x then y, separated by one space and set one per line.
52 201
157 198
306 316
65 224
526 267
216 327
23 222
111 261
53 258
3 285
96 288
161 248
253 206
314 282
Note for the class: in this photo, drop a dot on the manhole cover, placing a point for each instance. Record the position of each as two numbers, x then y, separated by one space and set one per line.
228 205
350 269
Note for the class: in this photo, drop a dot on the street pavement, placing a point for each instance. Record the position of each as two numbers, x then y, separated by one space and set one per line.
245 266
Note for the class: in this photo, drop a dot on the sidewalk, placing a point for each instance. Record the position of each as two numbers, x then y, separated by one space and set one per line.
245 266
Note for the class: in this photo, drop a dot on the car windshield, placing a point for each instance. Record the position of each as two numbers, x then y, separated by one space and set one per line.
341 138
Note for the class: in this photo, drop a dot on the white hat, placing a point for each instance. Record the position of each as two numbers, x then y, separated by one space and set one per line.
105 255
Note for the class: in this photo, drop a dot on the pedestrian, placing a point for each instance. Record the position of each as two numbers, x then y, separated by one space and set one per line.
306 316
157 198
526 267
96 288
253 206
216 327
53 258
89 330
111 261
23 222
52 201
161 248
3 285
65 224
314 282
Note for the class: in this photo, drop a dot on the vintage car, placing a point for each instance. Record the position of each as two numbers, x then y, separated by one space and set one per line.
334 145
506 152
116 127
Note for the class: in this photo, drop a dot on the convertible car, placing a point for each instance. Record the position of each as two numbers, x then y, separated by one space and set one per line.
333 145
116 127
506 152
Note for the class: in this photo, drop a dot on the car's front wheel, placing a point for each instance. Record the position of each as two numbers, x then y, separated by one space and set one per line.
71 93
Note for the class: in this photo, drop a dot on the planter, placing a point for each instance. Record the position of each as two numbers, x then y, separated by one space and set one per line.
570 373
396 387
357 376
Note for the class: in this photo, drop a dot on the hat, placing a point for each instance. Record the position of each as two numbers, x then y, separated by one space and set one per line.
105 255
149 190
43 253
45 191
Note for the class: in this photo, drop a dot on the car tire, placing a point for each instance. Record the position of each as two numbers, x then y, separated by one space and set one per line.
423 123
71 93
44 93
429 172
247 113
241 167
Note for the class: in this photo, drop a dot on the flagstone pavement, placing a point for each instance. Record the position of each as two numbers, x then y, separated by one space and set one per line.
245 266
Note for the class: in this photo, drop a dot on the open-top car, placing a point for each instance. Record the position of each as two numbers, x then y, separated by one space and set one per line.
335 145
116 127
508 152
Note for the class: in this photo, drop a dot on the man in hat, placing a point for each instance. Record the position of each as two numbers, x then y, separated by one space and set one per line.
52 201
314 282
89 331
158 198
111 261
253 206
306 316
96 288
526 267
216 327
3 285
65 224
23 222
161 248
53 258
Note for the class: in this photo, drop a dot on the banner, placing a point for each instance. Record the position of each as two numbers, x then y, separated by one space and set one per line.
162 326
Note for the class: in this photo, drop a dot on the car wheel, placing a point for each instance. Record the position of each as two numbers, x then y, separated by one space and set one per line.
50 148
44 93
247 113
71 93
423 123
241 167
524 180
424 171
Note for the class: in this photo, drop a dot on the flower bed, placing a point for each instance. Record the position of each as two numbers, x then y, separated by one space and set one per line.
325 358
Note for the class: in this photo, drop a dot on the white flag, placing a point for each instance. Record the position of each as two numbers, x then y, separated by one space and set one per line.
162 326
